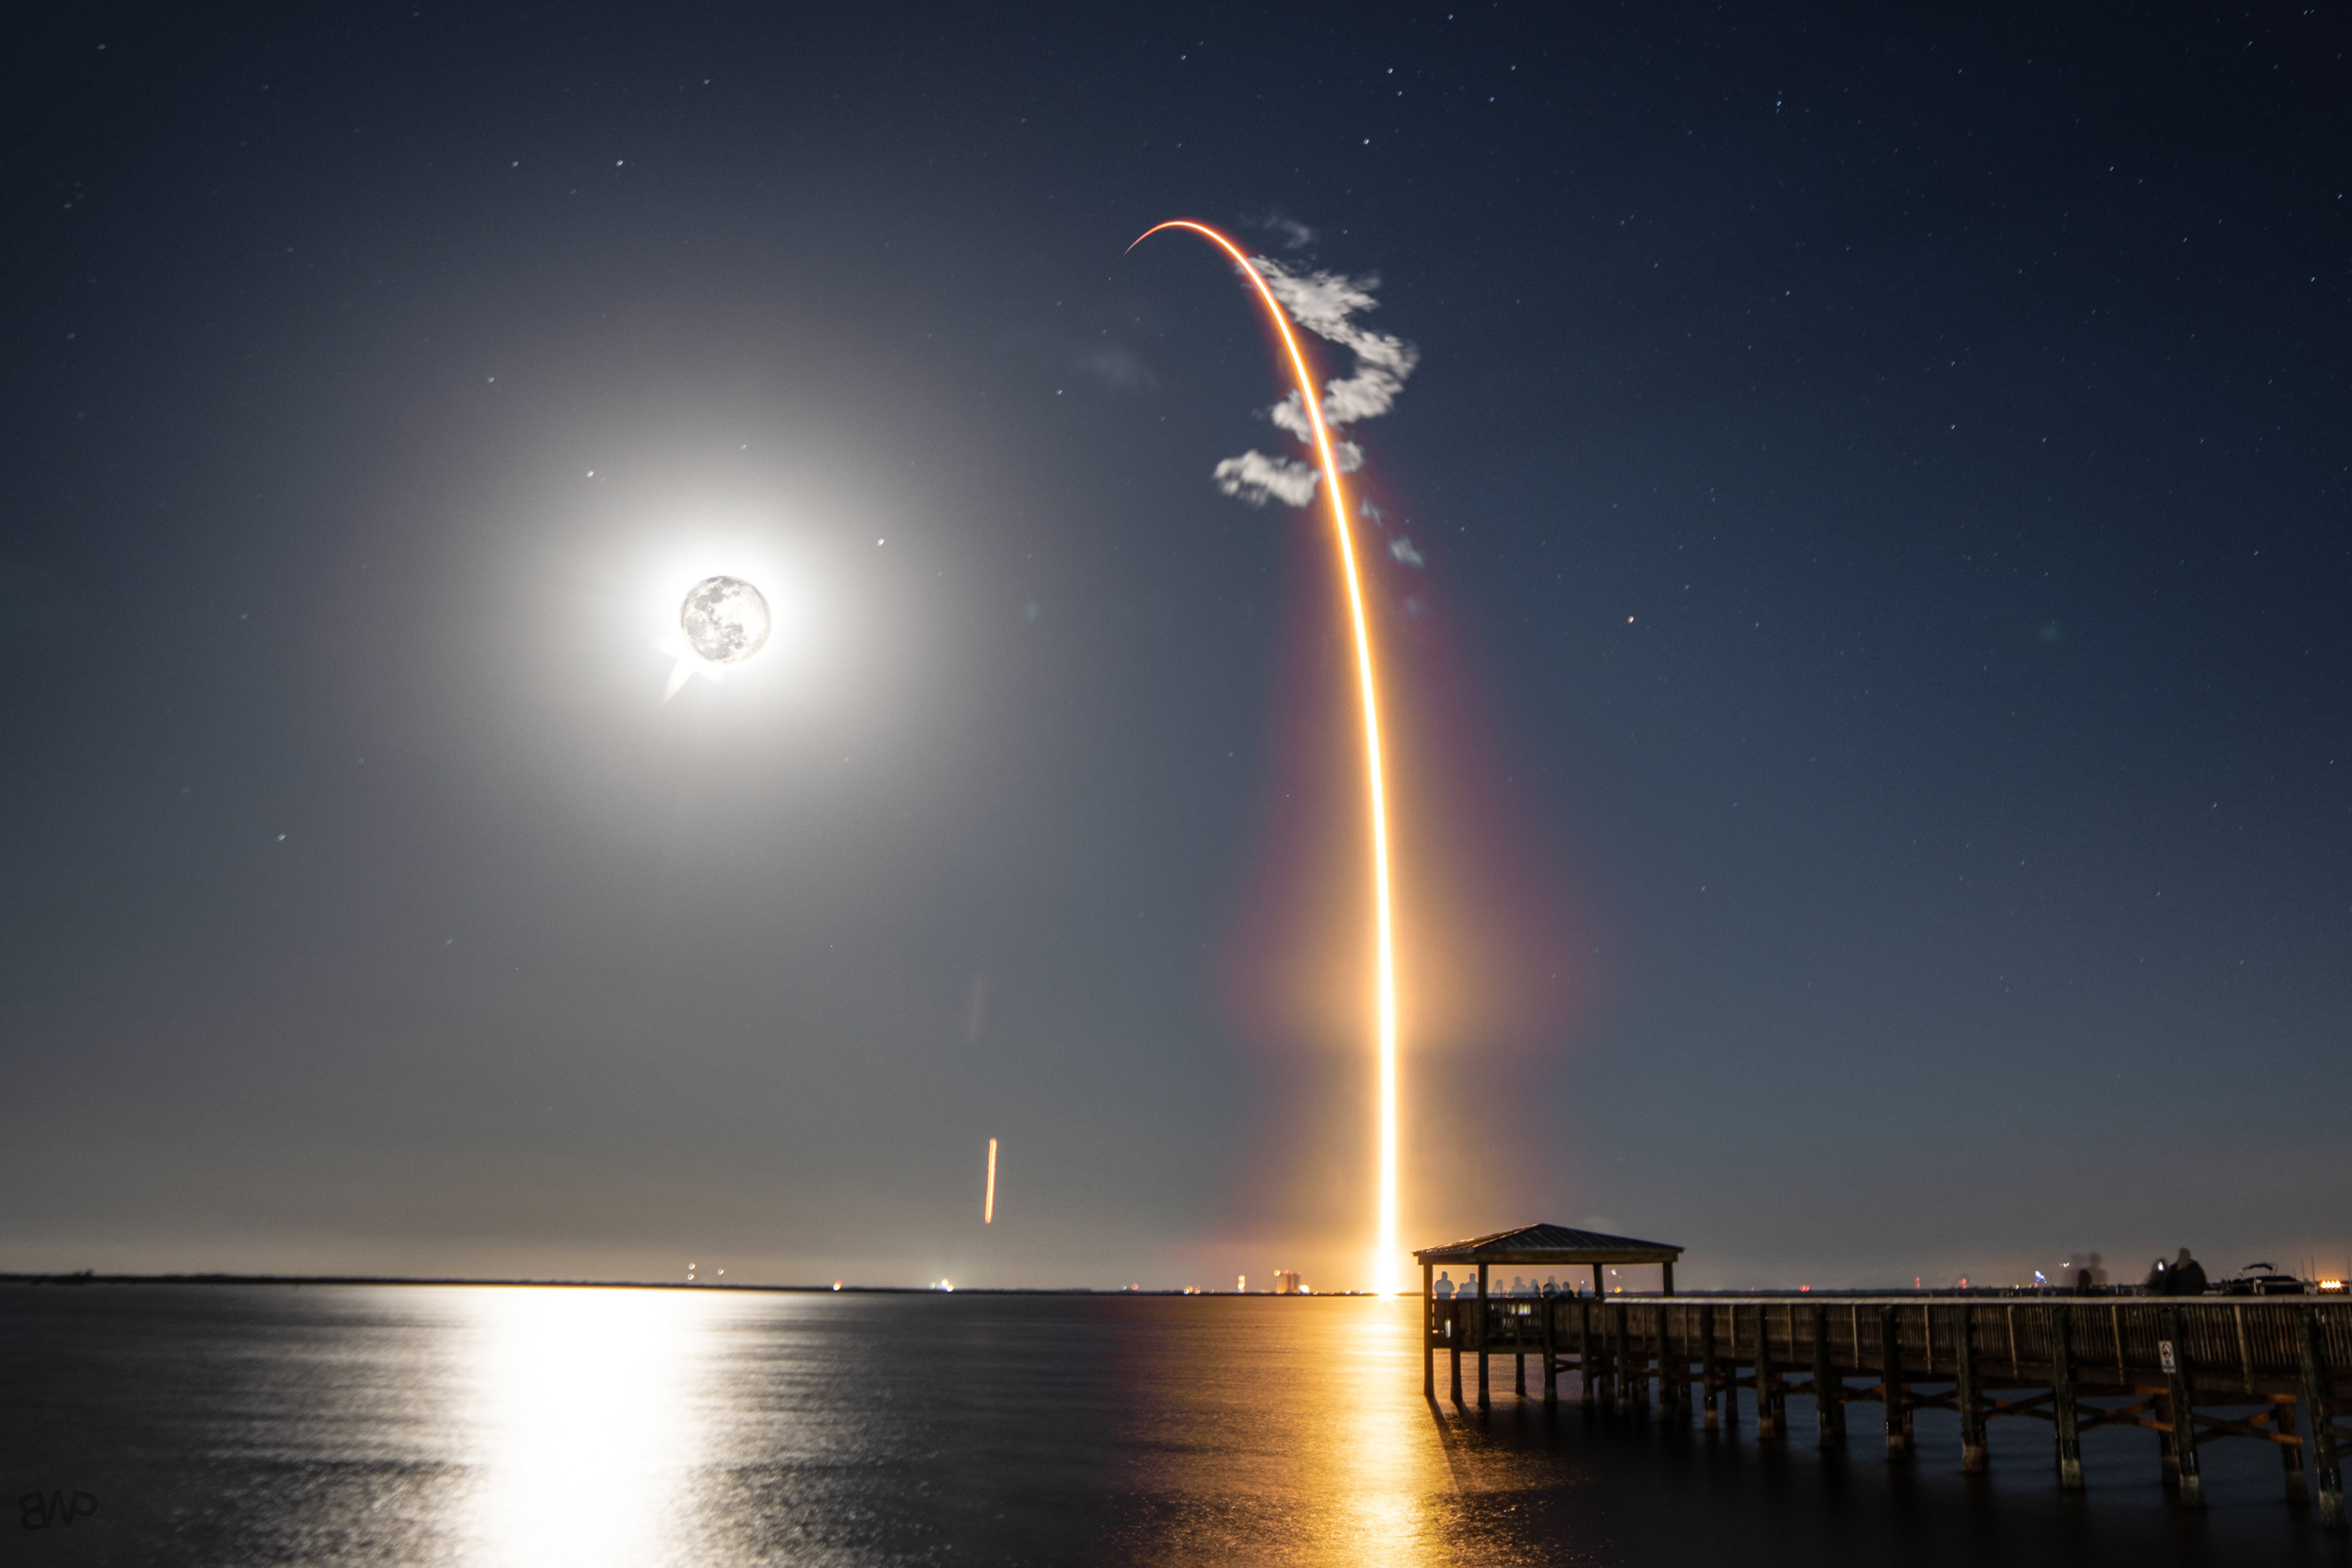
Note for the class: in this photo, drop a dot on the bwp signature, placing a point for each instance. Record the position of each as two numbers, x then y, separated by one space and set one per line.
38 1510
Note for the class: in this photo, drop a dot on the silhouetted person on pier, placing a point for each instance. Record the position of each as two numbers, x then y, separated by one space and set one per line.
2186 1276
2183 1276
1445 1286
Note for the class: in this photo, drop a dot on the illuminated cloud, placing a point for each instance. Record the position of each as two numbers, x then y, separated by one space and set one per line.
1325 304
1400 548
1258 479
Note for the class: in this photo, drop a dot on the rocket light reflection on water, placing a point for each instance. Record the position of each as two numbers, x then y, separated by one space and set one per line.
1384 1249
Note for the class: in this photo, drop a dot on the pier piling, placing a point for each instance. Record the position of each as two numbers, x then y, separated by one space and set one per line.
1588 1386
2173 1352
1428 1334
2062 1401
1708 1371
1966 1391
2318 1405
1829 1388
1891 1386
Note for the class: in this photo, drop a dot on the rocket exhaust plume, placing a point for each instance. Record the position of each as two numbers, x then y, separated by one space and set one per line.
988 1205
1384 1258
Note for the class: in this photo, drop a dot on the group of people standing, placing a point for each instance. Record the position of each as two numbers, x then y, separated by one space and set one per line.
1445 1289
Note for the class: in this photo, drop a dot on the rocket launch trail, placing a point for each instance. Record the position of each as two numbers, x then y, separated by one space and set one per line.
1385 1261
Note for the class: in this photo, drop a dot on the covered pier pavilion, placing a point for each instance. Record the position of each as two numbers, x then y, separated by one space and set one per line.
1551 1246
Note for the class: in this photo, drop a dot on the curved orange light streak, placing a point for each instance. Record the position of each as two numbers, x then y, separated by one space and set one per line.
1384 1248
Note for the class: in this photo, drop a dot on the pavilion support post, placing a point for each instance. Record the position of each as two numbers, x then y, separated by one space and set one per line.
1598 1289
1668 1373
1829 1405
2181 1388
1637 1364
1551 1352
1611 1350
1965 1393
1685 1329
1686 1319
1481 1332
1892 1387
2317 1403
1652 1361
1453 1357
1779 1384
1428 1334
1768 1382
2062 1402
1518 1351
1621 1382
1588 1377
1677 1326
1707 1375
1668 1288
1731 1371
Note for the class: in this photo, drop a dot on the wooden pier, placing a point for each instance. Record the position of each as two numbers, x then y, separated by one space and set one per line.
2193 1371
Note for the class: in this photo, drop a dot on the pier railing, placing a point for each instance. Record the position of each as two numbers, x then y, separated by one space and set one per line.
2190 1370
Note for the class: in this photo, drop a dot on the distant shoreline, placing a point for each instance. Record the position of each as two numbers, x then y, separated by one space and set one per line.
92 1278
1972 1292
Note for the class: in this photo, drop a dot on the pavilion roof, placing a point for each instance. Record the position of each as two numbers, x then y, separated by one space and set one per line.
1549 1244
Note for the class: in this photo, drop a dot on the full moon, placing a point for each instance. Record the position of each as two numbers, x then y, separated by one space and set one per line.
725 619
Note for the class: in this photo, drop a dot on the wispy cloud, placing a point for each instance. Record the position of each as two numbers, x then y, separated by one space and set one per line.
1116 367
1293 234
1325 303
1258 479
1400 548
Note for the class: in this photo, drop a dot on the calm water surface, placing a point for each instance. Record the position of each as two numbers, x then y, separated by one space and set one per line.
249 1425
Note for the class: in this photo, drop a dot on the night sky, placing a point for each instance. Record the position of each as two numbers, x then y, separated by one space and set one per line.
1869 671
